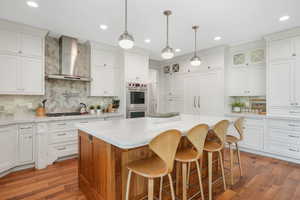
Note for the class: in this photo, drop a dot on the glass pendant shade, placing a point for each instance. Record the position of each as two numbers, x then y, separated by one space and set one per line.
126 41
167 53
195 61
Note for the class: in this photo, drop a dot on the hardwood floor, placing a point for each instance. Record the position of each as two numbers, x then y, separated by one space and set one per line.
264 179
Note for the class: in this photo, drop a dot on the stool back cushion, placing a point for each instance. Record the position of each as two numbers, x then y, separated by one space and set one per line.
197 136
239 125
165 147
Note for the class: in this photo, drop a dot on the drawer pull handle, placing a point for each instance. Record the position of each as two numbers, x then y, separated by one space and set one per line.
293 136
62 124
62 148
84 122
25 128
62 134
293 150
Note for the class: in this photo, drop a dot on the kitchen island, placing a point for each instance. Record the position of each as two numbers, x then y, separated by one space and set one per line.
105 148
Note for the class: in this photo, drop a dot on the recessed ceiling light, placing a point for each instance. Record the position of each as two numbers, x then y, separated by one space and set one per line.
217 38
32 4
147 40
177 50
103 26
284 18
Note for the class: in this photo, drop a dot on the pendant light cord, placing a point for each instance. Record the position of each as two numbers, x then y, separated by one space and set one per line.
167 30
195 43
126 16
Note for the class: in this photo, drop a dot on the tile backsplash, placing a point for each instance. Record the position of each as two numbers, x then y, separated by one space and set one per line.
61 95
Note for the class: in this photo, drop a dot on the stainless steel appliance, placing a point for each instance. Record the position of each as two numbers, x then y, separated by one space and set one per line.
136 100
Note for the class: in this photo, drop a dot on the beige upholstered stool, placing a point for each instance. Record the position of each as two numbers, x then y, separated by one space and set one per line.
220 129
196 136
165 147
232 140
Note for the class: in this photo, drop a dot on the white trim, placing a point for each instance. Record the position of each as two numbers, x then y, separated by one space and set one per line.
283 34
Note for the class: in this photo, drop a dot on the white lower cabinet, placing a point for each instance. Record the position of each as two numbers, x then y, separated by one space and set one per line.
26 147
8 144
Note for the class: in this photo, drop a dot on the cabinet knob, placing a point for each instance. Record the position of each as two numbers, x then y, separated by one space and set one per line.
20 52
294 55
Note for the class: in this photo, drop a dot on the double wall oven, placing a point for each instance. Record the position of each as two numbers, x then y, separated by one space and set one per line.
136 99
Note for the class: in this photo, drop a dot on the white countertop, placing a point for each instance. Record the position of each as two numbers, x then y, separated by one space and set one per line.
132 133
30 118
246 115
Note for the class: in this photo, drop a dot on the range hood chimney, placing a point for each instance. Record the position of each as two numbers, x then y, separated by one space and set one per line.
68 52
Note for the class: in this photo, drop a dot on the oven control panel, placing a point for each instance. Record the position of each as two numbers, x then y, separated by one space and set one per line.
132 85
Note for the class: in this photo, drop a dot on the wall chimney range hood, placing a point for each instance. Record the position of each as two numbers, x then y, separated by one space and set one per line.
68 52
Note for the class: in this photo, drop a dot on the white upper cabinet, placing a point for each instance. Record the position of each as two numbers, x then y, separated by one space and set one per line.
105 72
283 73
247 71
281 50
136 67
9 42
21 59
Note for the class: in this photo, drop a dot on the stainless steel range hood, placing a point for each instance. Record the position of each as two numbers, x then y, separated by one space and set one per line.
68 52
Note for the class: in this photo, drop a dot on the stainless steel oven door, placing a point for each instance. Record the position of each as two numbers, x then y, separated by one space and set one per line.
136 113
136 99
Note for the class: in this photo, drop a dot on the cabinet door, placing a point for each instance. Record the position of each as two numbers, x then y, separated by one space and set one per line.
9 42
281 50
136 67
103 58
26 148
297 47
253 137
9 71
32 76
280 84
8 144
256 82
296 83
103 81
191 92
238 82
31 46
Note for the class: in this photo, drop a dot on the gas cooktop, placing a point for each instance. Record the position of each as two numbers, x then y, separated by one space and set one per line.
63 114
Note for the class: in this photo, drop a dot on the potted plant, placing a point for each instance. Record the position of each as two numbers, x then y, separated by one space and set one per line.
98 107
92 109
237 107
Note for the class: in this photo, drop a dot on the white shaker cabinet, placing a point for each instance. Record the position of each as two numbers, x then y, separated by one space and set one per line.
21 59
26 144
136 67
8 144
281 50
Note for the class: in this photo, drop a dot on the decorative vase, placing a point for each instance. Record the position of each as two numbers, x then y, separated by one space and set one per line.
99 111
92 112
237 109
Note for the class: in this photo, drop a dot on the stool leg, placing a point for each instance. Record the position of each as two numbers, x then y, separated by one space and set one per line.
222 169
200 180
231 163
177 177
239 158
171 186
160 187
184 172
150 188
210 175
188 175
128 184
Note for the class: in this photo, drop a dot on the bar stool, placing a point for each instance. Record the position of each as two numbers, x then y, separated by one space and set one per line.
165 147
196 136
232 140
220 130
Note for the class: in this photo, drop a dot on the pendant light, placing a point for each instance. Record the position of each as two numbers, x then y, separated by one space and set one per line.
195 60
167 52
126 40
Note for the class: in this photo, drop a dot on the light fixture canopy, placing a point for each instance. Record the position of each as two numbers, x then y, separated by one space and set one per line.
195 60
167 52
126 41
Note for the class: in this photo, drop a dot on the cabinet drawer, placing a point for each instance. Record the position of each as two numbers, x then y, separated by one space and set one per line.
63 125
284 149
254 122
66 149
26 129
284 124
63 136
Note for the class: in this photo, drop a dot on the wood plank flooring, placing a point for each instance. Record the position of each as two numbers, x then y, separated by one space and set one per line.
264 179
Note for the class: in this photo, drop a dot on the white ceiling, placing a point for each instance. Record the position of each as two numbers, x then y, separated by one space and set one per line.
234 20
